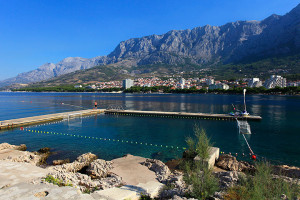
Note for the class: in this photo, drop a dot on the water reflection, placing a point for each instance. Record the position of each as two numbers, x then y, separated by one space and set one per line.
275 137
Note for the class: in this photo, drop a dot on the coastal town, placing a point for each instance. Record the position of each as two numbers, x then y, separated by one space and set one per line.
197 83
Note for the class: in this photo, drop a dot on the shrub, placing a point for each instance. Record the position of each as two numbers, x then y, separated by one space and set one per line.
262 186
145 197
56 181
197 174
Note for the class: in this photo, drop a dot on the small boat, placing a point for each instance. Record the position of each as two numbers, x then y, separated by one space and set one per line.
244 113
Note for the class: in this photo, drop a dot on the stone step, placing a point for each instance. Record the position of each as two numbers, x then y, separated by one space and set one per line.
130 191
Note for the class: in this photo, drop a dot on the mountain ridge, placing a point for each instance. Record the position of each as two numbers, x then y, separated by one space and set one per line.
228 43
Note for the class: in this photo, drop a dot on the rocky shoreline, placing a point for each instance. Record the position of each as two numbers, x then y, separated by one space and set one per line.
128 176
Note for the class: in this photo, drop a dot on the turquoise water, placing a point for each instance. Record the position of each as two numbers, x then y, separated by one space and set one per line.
276 137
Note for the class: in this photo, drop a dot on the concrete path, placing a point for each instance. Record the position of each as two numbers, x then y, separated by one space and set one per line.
131 171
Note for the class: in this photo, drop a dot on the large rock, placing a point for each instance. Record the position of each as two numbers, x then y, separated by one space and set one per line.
86 158
230 163
161 170
82 161
227 179
76 179
175 186
60 162
21 147
285 170
69 173
44 150
69 167
99 168
176 197
84 181
20 156
112 180
287 179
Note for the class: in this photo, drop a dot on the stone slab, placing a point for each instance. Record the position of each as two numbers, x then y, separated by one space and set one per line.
152 188
124 192
214 153
130 191
27 191
131 171
12 173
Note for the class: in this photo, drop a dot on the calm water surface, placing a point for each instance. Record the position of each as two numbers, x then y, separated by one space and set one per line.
276 137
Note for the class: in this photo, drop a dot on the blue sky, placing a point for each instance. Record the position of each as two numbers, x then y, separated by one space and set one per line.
34 32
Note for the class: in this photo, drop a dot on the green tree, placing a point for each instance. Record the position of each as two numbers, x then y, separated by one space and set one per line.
198 174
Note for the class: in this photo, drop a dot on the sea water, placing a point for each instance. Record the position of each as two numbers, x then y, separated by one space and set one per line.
276 137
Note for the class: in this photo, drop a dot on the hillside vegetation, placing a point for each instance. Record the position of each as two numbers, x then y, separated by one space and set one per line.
287 66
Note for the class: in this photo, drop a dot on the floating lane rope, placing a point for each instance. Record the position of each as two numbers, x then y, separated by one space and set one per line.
103 139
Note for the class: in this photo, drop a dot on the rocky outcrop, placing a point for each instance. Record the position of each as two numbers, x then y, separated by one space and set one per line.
60 162
18 154
21 147
175 186
97 177
112 180
227 179
230 163
175 197
44 150
161 170
25 156
99 168
285 170
287 179
86 158
82 161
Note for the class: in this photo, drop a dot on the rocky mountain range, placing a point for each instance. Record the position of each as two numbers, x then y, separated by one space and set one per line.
207 45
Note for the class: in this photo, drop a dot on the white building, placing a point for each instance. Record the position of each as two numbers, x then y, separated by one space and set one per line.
218 86
91 87
275 81
127 83
254 82
78 86
210 81
182 83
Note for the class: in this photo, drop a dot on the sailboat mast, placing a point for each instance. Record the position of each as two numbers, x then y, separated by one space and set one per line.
245 99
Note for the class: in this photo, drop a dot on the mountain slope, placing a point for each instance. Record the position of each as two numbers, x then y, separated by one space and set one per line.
230 42
207 45
284 65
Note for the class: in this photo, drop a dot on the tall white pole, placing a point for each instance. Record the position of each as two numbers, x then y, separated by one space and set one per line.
245 98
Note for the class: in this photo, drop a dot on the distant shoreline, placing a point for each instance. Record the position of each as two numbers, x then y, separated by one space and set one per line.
215 93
